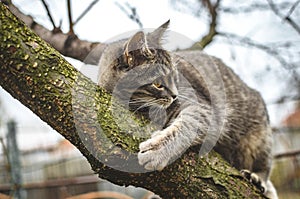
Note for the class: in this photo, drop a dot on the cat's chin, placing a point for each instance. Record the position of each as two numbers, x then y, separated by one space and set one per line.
165 105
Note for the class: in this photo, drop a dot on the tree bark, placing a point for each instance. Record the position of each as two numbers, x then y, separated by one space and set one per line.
36 75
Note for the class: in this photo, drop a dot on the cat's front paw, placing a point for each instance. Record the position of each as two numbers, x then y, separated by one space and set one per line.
266 188
153 154
254 179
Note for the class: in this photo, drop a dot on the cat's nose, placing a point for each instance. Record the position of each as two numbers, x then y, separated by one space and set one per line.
173 91
174 96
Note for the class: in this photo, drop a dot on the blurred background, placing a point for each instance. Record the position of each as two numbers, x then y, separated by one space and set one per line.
258 39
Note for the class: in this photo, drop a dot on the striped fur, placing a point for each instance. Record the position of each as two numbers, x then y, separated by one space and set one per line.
193 99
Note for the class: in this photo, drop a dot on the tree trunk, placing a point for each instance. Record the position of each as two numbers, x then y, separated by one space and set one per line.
36 75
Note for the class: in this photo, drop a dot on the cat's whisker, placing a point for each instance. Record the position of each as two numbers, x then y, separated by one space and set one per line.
158 112
147 104
187 99
158 109
141 100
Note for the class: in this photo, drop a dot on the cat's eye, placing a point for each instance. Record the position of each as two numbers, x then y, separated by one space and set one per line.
123 67
157 85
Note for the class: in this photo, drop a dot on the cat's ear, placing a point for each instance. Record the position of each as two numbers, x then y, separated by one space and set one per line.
137 42
157 35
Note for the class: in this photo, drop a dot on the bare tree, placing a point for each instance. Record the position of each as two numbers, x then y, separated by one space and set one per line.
286 51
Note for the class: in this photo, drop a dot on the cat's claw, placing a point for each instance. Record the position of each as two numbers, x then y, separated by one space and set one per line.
254 179
266 188
152 155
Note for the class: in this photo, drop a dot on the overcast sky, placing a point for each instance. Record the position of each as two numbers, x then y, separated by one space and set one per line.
106 21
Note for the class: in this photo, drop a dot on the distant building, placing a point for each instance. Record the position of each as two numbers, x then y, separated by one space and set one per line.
293 120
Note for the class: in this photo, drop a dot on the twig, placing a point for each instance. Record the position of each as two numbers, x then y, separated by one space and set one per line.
252 7
287 154
283 44
293 24
208 38
71 30
49 14
290 12
286 18
233 38
285 99
85 12
272 51
133 15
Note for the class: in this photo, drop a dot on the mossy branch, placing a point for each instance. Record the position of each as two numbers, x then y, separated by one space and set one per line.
36 75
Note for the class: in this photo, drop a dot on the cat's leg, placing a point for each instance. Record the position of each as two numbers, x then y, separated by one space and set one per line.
255 179
259 162
266 187
168 144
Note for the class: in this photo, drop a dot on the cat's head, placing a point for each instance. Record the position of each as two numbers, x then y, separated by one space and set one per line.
138 70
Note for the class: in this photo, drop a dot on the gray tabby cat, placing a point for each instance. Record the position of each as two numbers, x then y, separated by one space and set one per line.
193 99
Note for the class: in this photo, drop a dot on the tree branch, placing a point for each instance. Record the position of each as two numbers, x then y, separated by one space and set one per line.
208 38
252 7
133 15
292 9
285 18
66 44
285 99
85 11
36 75
287 154
244 41
49 14
71 30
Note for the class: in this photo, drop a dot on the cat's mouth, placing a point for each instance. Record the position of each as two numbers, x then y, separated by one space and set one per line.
166 102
